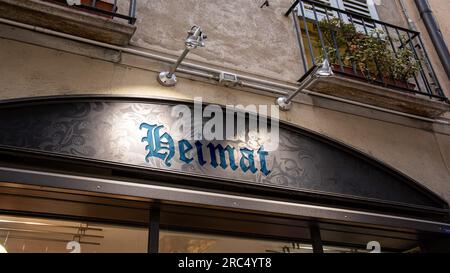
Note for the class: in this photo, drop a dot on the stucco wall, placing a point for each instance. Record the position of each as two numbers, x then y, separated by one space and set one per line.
441 10
390 11
241 35
38 71
246 38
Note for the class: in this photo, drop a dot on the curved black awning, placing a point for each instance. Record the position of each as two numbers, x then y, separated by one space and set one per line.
107 131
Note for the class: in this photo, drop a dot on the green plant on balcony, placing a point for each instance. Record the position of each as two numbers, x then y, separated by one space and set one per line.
370 54
404 65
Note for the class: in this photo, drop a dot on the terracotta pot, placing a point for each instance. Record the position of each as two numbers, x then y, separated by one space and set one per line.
102 5
399 83
348 70
386 80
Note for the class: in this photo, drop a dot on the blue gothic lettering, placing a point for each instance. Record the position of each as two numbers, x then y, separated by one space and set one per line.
199 147
223 162
155 143
247 155
184 147
162 146
262 160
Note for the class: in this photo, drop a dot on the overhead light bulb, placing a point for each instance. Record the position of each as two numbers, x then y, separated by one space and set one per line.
3 249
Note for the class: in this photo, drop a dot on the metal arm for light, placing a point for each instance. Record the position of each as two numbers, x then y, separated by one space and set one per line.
195 39
285 103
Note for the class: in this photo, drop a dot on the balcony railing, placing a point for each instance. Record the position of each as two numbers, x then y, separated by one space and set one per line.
106 8
365 49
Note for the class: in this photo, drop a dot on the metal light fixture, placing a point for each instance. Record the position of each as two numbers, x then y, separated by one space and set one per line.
195 39
325 70
73 2
285 103
265 4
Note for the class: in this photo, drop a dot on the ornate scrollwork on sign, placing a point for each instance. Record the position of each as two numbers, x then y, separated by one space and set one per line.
141 134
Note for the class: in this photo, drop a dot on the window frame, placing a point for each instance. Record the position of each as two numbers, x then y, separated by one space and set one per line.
340 5
370 4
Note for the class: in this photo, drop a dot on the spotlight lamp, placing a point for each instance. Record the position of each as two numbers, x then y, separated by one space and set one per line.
317 71
196 38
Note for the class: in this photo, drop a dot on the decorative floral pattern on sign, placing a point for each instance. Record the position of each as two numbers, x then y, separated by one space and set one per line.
109 130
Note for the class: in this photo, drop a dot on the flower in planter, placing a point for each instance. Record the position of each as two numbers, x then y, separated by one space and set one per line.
404 65
370 53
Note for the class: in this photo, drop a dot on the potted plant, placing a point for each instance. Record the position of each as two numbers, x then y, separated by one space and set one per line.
403 67
367 56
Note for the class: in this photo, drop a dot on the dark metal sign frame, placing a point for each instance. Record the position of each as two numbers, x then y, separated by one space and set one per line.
338 164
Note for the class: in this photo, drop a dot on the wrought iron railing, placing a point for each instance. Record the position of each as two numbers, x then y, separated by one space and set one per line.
106 8
361 47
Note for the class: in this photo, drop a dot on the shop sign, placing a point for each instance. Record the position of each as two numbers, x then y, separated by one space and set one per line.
145 135
161 145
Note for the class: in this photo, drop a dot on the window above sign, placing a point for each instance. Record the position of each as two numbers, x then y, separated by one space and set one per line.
361 7
372 61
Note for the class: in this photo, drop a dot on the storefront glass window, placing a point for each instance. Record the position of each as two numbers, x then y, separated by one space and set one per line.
335 249
185 242
39 235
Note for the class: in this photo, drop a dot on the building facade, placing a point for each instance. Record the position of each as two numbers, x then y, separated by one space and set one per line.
89 161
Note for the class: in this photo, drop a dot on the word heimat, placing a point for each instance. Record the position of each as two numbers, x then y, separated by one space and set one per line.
162 146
